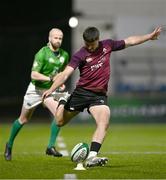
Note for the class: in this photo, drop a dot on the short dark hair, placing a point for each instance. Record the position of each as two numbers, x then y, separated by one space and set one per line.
91 34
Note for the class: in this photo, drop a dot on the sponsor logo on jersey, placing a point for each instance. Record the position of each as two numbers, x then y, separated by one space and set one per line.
104 50
51 60
88 59
96 66
62 59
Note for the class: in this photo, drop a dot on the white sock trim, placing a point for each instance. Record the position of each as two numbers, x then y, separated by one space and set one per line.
92 154
20 122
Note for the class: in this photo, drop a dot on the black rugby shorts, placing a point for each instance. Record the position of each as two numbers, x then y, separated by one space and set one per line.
82 98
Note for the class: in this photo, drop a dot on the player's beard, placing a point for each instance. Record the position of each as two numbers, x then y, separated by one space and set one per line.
56 45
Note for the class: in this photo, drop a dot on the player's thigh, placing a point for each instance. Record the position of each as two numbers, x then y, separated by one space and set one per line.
51 104
101 113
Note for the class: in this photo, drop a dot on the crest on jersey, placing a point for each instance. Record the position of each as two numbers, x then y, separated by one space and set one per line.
51 60
104 50
62 59
88 59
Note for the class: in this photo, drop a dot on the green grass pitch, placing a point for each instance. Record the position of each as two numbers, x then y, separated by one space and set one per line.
135 151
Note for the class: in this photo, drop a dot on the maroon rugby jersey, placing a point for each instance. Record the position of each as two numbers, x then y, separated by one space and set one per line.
94 66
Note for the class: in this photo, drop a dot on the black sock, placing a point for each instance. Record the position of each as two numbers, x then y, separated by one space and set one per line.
62 101
95 146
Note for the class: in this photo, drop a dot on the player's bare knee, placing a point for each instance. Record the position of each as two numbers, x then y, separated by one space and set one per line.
60 123
23 120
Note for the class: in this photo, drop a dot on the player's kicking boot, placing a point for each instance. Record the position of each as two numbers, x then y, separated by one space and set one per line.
8 153
96 161
53 152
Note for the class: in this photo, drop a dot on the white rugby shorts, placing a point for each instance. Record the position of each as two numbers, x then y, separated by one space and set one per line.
33 96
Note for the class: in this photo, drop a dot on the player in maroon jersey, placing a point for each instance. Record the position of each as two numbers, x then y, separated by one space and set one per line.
93 62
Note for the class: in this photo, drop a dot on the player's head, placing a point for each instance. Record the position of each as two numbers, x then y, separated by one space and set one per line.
91 38
55 38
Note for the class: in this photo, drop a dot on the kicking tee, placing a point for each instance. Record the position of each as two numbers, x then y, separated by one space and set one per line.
48 63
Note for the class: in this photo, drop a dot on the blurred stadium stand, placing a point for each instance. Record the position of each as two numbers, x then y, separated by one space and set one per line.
135 74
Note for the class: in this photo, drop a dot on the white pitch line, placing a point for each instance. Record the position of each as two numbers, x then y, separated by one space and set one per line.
60 138
67 154
70 176
135 152
64 152
62 146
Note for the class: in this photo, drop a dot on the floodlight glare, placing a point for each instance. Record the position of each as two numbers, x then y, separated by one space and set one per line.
73 22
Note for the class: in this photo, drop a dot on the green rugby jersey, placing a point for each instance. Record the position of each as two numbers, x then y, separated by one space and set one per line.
49 64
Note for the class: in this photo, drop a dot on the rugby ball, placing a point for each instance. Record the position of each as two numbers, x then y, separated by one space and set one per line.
79 152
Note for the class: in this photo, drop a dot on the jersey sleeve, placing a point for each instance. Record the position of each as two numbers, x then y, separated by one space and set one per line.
116 45
38 61
78 58
75 61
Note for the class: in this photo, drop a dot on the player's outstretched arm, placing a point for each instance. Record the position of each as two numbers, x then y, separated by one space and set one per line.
135 40
58 80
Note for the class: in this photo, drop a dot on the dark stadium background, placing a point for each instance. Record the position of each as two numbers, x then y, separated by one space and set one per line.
24 28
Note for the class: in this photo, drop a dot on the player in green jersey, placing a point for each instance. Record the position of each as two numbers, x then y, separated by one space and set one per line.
48 61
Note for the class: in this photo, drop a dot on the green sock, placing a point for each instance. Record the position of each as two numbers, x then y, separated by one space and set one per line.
54 133
14 131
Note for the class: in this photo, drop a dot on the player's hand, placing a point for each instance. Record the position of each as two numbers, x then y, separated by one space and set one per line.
46 93
156 33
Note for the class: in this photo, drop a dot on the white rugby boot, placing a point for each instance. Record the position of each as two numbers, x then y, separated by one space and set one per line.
96 161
